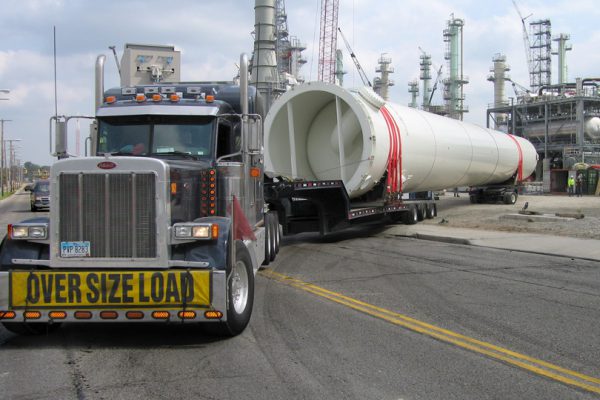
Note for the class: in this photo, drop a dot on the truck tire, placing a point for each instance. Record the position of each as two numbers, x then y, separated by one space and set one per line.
421 212
411 217
509 198
277 231
240 292
268 243
31 328
431 211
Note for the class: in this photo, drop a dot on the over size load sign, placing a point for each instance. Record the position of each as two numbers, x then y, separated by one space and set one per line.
102 289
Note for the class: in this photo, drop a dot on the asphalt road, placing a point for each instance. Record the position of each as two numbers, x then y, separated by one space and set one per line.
357 316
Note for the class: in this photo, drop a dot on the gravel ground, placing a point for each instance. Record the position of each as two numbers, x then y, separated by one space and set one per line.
460 213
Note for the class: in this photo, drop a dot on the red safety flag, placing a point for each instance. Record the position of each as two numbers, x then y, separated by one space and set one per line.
241 226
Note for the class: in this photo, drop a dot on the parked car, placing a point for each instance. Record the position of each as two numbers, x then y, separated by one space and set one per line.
39 195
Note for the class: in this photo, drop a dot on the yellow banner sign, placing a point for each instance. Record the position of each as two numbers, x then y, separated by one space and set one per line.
101 289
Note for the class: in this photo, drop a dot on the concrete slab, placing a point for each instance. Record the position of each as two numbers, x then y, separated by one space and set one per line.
588 249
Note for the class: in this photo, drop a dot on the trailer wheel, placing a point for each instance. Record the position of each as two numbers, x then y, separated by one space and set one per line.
431 211
421 212
510 198
240 295
31 328
412 216
268 243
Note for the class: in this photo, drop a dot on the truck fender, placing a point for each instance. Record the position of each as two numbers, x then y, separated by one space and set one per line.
22 249
214 251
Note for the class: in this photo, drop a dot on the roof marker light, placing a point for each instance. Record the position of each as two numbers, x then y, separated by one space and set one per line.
210 98
140 98
111 99
156 97
174 98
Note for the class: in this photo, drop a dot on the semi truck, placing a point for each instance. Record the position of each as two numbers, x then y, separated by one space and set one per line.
166 221
186 194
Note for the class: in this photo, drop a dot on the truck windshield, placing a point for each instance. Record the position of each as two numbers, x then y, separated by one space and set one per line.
148 135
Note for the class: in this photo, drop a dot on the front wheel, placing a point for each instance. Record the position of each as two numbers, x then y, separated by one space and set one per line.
240 295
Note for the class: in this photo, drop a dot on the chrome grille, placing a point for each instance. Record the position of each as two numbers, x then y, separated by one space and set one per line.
115 212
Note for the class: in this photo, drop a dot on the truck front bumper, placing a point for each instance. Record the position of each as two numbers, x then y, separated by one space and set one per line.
113 296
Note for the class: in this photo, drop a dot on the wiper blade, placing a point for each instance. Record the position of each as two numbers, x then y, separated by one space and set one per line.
175 153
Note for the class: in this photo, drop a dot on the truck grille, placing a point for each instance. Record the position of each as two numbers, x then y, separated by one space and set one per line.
115 212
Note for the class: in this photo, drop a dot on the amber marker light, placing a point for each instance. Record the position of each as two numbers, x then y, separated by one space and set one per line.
173 188
255 172
186 314
57 314
109 315
111 99
156 97
140 98
32 314
7 315
210 98
134 315
214 314
214 231
83 314
174 98
161 315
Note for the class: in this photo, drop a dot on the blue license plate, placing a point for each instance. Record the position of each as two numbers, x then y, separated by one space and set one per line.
75 249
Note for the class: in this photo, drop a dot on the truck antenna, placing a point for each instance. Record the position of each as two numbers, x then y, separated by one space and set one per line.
116 59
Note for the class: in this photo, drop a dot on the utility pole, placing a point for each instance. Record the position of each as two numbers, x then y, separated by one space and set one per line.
11 162
2 121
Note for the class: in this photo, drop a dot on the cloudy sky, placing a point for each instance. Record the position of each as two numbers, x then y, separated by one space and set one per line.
212 34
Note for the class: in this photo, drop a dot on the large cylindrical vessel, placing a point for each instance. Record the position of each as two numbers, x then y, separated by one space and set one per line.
320 131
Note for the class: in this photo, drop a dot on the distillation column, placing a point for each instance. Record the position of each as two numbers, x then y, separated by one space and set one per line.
561 52
453 86
382 84
499 76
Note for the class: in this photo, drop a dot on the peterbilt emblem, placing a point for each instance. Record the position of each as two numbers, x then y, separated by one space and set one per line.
106 165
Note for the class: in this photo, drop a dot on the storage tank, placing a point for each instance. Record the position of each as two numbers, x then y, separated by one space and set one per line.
320 131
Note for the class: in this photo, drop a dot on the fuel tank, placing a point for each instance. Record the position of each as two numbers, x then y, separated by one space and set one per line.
320 131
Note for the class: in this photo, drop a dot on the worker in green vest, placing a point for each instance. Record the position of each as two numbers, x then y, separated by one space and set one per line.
570 185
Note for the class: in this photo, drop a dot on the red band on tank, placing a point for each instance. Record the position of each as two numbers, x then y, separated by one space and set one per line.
520 167
394 178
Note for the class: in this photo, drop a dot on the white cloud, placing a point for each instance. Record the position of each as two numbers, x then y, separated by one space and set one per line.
211 35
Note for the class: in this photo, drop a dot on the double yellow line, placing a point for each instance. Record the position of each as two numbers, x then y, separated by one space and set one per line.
531 364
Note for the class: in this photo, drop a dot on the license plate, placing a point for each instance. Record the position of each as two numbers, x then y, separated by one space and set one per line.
115 289
75 249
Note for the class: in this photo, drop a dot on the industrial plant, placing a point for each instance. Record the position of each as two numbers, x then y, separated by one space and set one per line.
560 117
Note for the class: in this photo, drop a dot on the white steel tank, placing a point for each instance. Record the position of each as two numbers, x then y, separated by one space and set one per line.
320 131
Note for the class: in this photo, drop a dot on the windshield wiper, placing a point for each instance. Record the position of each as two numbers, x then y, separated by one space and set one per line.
175 153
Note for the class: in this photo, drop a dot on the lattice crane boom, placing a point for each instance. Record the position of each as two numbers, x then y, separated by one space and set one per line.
361 72
526 42
328 40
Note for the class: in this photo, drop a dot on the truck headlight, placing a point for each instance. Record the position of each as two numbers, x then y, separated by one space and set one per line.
28 231
192 231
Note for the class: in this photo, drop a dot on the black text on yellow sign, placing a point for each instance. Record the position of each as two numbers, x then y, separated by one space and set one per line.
131 289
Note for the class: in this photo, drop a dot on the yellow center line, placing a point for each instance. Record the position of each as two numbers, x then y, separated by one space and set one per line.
531 364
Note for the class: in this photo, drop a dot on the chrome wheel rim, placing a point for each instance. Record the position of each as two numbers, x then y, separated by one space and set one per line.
239 287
